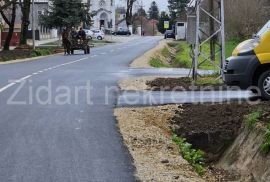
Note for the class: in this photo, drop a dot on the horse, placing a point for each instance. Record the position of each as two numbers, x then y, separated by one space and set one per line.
66 42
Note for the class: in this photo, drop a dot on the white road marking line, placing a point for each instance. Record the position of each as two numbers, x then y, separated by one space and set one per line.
36 73
103 53
22 79
6 87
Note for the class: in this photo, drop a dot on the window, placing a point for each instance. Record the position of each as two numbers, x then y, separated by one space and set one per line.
102 3
180 24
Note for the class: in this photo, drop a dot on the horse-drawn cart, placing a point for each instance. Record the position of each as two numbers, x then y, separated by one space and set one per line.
80 44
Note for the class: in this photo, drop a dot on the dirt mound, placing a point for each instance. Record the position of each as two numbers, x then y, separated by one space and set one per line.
211 128
181 84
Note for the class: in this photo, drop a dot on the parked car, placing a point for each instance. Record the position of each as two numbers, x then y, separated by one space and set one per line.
89 34
98 34
122 32
169 34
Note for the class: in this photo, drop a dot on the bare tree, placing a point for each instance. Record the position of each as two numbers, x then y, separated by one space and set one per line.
4 5
25 8
129 12
9 16
244 17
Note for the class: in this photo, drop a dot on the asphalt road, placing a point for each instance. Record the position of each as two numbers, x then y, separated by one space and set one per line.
56 117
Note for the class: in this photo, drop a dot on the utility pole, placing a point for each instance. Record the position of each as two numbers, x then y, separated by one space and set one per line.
33 25
153 21
200 36
212 31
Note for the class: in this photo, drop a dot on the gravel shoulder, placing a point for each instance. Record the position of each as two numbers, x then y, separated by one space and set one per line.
143 61
146 133
139 83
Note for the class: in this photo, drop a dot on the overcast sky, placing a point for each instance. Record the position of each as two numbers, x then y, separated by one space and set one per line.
162 4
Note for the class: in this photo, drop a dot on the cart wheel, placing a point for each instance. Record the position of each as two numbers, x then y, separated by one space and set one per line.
88 49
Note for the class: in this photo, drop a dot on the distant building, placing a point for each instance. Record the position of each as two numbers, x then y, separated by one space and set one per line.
120 15
41 32
105 13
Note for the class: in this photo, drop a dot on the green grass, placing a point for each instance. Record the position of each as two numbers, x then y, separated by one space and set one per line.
182 58
193 156
230 46
41 52
209 80
252 119
265 146
157 63
165 52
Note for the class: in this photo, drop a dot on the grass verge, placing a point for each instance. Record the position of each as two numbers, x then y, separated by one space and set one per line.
181 57
251 120
158 63
27 53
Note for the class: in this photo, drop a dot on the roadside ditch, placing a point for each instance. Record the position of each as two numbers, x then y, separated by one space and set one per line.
234 139
195 142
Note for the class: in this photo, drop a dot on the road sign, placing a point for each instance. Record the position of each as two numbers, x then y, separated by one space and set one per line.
166 24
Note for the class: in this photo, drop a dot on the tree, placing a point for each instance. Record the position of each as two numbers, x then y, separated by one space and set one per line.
129 13
153 11
10 21
163 17
250 17
63 13
25 8
177 8
140 12
4 5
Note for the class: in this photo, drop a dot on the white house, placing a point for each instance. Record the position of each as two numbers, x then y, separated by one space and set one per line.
105 13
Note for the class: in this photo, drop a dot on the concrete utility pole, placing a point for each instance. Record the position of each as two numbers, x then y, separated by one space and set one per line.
33 25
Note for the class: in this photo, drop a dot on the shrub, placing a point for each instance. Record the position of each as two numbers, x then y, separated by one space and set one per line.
193 156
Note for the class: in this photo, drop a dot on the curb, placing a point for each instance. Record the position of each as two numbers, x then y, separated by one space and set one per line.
28 59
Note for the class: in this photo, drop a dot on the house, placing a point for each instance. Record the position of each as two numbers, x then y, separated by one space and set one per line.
148 26
120 15
41 32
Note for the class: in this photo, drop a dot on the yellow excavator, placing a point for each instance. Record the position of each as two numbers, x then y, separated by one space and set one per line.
249 65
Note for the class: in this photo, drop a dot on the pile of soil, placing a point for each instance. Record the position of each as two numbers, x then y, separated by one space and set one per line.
181 84
211 128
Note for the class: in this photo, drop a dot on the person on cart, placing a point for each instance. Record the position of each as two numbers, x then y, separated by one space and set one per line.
73 33
81 35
